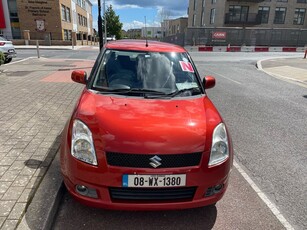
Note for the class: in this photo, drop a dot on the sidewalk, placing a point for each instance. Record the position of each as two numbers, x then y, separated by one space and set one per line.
288 69
36 99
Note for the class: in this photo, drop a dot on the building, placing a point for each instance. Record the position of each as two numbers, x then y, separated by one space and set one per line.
134 33
151 32
248 13
62 20
172 27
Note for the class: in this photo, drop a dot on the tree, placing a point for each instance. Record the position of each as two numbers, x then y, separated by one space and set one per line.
2 58
114 26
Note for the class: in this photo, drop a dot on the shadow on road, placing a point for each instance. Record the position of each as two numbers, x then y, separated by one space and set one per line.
91 218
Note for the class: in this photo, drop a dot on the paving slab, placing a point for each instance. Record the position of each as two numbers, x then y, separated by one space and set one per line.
292 70
36 99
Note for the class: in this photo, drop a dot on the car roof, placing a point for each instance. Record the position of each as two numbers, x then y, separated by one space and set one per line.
140 45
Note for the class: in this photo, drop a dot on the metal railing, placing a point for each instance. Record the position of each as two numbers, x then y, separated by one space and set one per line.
241 37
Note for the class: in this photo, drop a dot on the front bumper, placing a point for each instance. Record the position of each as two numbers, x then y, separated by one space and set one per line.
104 177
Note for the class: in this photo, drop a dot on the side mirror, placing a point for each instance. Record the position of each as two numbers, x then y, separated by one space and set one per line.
209 82
79 76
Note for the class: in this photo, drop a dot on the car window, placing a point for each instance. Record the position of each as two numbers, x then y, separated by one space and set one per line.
165 72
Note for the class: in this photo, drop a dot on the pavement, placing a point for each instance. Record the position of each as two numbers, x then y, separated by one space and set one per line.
292 70
37 97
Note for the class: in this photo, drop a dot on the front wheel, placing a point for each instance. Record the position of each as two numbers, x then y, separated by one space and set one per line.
8 60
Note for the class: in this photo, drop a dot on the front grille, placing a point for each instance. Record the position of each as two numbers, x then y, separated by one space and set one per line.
149 194
143 160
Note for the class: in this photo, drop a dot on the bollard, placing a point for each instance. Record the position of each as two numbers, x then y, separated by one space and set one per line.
305 54
37 47
228 48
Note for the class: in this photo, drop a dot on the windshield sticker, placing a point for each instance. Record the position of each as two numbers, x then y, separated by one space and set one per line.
186 66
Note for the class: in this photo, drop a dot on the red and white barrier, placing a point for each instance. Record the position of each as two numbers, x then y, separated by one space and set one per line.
244 49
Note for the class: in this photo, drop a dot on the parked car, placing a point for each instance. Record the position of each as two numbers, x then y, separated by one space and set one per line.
144 135
7 48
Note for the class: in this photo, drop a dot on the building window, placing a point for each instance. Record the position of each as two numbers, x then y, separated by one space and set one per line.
65 13
67 35
299 16
194 6
68 18
282 0
204 2
263 13
301 1
213 1
238 13
280 15
194 19
203 18
212 16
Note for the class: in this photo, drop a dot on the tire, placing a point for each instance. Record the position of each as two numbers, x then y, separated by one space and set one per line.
8 60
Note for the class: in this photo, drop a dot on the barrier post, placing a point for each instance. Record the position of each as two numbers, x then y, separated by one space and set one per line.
228 48
305 54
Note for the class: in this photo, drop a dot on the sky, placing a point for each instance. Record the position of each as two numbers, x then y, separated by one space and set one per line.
132 12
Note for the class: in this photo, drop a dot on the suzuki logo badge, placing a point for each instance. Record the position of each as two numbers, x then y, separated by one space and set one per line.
155 161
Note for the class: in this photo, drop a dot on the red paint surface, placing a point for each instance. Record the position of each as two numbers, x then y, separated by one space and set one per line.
2 19
219 35
138 126
140 45
261 49
205 48
289 49
135 125
235 48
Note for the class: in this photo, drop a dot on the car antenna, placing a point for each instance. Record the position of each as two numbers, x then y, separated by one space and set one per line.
146 33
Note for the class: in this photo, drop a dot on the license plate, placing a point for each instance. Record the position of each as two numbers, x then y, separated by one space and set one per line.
149 181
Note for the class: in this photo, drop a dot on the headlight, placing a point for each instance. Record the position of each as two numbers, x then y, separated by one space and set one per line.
82 145
219 148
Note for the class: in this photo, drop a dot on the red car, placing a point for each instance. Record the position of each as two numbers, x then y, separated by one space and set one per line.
144 135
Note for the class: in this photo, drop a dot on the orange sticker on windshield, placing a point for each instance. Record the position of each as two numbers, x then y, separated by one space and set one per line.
186 66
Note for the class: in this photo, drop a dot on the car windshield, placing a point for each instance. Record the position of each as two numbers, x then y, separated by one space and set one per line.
2 39
146 73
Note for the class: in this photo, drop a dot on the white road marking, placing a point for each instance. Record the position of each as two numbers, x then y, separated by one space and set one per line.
225 77
264 198
20 60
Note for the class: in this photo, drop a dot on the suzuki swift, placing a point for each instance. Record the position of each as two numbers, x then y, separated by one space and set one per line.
144 135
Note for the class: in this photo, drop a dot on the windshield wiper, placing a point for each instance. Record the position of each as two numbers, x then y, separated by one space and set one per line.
127 90
181 91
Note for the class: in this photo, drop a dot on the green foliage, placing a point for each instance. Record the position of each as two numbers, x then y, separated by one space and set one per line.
114 26
2 58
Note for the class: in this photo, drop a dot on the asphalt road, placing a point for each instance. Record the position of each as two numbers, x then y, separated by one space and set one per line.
267 120
58 54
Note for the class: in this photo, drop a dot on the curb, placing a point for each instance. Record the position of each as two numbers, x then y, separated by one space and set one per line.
42 210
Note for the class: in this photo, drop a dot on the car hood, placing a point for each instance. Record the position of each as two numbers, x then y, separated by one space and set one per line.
138 125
